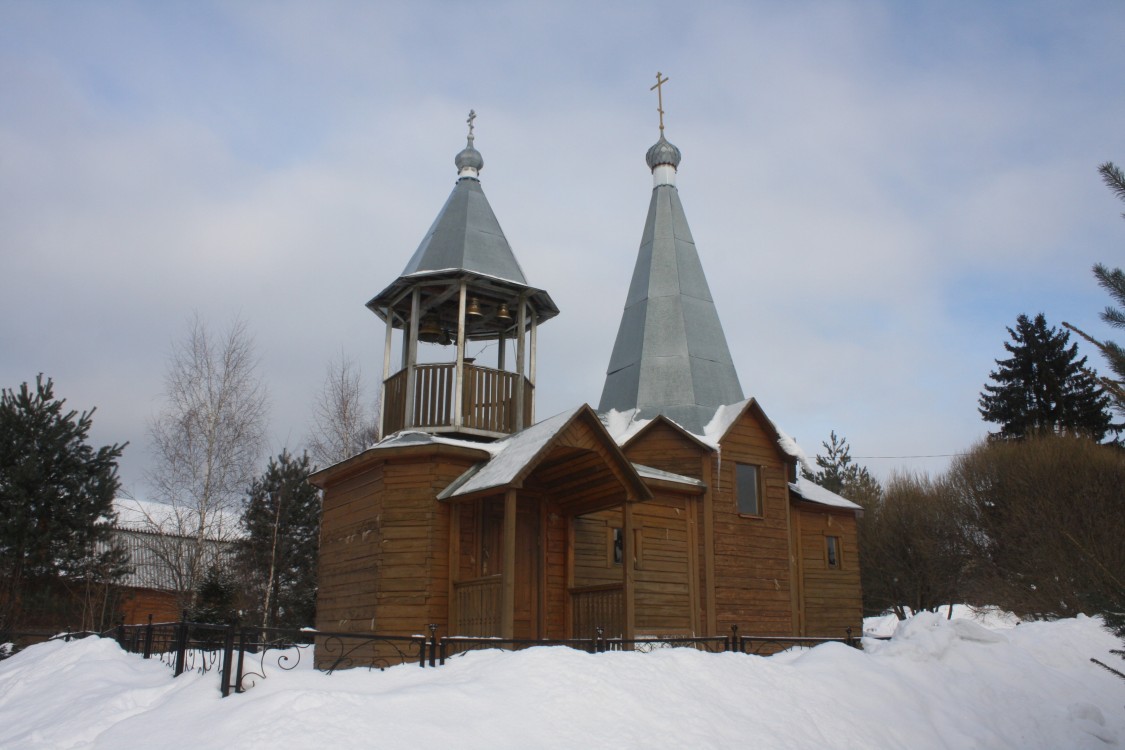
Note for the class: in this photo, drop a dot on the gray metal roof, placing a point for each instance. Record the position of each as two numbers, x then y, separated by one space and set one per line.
466 236
671 355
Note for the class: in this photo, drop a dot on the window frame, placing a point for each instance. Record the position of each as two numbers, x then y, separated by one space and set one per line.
833 541
613 533
759 489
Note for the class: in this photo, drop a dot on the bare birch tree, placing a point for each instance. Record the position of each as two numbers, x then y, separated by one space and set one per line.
207 440
344 422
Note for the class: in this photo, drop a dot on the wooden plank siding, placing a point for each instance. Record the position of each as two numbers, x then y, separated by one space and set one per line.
752 554
384 547
664 590
665 448
832 597
394 558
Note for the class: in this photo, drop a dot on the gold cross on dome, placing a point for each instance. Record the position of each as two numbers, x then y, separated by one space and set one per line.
660 99
472 116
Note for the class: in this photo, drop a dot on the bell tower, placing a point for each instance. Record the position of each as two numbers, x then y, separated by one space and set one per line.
463 284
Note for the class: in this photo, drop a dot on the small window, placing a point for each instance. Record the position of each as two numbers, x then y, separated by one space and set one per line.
833 551
748 489
617 547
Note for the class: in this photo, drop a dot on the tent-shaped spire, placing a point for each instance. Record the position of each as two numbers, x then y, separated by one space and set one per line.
466 241
466 235
671 356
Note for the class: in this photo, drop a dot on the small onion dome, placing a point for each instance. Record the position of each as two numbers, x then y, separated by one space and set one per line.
662 152
469 158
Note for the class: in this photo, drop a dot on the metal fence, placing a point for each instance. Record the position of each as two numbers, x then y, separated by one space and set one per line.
243 655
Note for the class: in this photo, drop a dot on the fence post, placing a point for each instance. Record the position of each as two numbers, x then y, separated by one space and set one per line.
599 637
148 638
121 632
241 655
850 641
181 644
735 641
228 657
433 647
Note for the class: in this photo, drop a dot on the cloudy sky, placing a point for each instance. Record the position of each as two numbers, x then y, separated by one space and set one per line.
876 189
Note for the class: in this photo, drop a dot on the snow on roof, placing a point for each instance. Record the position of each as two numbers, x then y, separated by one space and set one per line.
509 457
790 447
161 518
415 437
721 422
622 425
813 492
650 473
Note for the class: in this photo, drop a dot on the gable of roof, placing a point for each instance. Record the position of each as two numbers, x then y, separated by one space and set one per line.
516 457
632 436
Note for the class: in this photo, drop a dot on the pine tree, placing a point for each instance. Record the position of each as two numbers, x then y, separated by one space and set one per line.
840 474
216 597
1044 387
282 520
1113 281
56 497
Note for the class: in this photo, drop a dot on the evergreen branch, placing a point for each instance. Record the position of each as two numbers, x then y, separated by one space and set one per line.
1105 666
1114 179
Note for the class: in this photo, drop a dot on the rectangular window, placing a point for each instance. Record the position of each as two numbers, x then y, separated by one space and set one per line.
833 551
616 546
748 488
616 539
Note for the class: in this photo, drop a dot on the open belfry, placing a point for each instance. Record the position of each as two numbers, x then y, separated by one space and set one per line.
675 508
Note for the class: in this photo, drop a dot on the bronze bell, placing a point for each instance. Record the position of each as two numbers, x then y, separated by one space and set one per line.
503 313
473 311
430 330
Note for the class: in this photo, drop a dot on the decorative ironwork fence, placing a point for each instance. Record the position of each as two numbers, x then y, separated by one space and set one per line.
765 645
243 655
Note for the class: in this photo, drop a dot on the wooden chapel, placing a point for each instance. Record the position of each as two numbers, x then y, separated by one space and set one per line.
676 508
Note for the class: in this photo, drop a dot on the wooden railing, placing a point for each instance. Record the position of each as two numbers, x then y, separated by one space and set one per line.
602 606
488 399
477 607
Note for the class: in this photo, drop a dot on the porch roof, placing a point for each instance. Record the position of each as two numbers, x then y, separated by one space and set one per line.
516 457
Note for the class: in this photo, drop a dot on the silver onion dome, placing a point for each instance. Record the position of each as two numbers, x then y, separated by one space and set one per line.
469 157
662 152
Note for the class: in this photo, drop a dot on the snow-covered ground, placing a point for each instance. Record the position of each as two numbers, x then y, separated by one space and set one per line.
937 683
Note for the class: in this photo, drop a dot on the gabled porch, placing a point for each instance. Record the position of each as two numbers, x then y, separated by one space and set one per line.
525 526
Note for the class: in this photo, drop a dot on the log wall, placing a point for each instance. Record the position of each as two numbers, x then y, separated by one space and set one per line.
753 586
384 547
831 598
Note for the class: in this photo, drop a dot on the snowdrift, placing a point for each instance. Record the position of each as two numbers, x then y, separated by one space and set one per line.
936 684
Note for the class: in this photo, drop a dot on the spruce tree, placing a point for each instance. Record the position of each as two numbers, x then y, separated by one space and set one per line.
282 521
1044 387
839 473
1113 281
56 498
216 597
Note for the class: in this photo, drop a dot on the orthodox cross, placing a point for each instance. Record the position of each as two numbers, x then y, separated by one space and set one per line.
660 99
472 116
